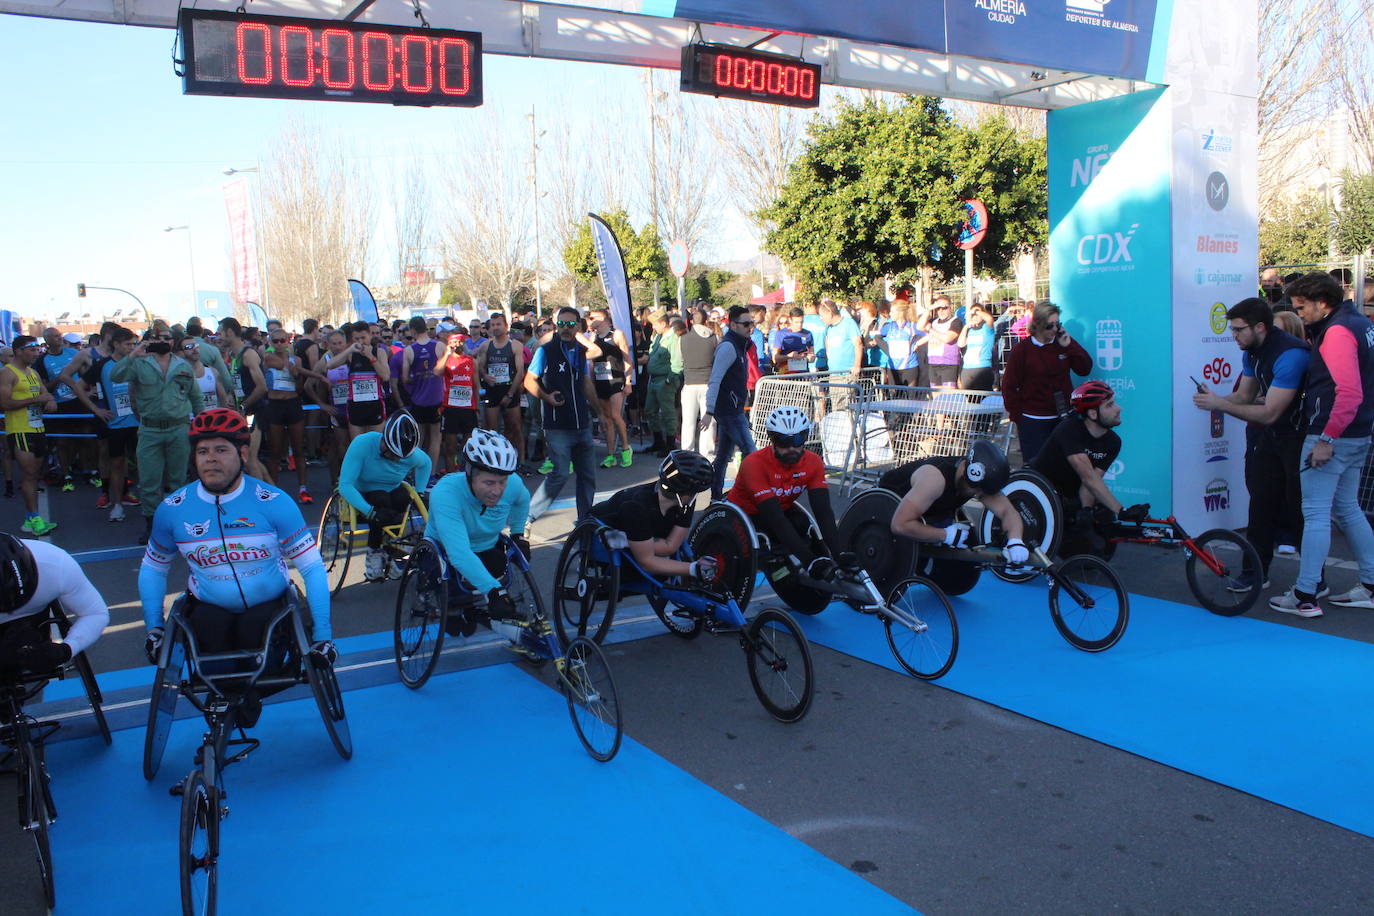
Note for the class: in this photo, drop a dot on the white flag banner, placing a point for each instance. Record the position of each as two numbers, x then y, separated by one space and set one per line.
611 264
243 241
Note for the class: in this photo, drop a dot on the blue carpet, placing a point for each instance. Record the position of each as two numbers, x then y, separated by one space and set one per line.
472 795
1277 712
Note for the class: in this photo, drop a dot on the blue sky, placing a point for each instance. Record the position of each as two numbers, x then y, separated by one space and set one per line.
103 152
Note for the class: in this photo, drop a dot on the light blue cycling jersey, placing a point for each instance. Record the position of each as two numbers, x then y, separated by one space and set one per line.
364 469
248 536
464 527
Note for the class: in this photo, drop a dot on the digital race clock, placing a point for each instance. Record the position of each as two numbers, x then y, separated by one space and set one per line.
279 57
741 73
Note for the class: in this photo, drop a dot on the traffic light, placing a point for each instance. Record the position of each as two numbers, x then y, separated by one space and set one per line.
81 290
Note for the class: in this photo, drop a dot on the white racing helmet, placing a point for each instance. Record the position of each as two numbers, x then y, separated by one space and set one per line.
490 451
788 425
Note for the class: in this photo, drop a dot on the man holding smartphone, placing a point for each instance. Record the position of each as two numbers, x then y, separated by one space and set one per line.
560 377
1036 385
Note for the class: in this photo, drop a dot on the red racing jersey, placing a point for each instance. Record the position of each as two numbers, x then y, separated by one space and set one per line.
460 387
762 476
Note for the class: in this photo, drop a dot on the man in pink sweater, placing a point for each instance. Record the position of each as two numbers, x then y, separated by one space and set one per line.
1036 383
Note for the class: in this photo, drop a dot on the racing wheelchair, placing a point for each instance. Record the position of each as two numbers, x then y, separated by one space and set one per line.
24 737
917 619
432 593
342 533
1088 604
596 568
222 686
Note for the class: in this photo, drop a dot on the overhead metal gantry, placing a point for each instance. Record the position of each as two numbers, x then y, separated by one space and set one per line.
563 32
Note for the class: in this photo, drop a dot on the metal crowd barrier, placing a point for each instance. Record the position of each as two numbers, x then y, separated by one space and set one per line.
828 398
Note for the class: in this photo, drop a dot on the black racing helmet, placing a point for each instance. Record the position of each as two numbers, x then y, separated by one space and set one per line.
685 472
18 574
987 470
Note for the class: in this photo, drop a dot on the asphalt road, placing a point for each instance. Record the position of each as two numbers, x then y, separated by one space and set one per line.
950 804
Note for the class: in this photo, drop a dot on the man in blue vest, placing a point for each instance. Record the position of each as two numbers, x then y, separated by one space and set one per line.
726 394
559 377
1269 400
1339 408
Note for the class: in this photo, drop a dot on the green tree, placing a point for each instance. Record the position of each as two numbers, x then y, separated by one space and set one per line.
878 190
1355 222
1296 230
646 259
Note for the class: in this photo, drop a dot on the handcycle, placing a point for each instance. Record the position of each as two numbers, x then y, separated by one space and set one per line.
219 686
1214 561
596 568
1088 604
432 591
341 527
917 618
25 738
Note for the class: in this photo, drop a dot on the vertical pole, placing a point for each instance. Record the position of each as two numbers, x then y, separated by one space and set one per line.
681 295
1360 271
968 279
534 177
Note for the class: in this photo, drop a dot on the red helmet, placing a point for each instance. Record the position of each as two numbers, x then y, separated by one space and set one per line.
1090 394
219 423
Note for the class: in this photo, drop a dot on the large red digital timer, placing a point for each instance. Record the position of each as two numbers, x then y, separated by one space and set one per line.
743 73
281 57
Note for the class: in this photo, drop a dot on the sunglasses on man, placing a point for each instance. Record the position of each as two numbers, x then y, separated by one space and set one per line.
566 324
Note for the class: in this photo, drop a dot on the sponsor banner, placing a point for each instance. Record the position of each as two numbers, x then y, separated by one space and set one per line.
364 305
1110 266
243 242
1215 212
614 281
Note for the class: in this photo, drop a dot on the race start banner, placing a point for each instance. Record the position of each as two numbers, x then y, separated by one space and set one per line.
610 264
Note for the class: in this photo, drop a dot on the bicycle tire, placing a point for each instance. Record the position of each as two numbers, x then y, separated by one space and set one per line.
593 702
580 585
724 532
928 654
688 627
329 698
162 705
421 616
34 809
198 847
773 645
1239 558
335 539
93 696
1100 581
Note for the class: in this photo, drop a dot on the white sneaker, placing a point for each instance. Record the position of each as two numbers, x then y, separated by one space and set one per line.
117 515
1358 596
1286 550
374 568
1289 603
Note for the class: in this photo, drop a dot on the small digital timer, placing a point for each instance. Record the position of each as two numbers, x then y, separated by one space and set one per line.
281 57
742 73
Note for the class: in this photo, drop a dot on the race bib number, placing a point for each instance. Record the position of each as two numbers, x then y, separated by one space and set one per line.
123 404
460 396
898 350
364 389
499 372
282 381
338 393
601 372
238 386
36 416
796 364
210 399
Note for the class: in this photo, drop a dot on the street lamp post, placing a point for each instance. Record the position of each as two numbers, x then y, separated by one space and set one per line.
535 134
191 255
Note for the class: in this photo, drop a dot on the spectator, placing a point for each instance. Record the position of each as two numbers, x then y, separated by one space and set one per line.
425 388
501 369
698 347
613 375
249 385
284 410
794 349
727 394
1036 383
813 322
165 391
458 374
49 368
843 349
24 400
1339 409
1269 400
560 376
664 381
902 340
976 340
942 350
759 338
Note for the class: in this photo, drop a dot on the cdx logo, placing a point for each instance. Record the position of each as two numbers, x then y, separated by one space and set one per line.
1106 247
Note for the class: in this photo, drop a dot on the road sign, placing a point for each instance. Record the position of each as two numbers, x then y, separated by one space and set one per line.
677 258
975 227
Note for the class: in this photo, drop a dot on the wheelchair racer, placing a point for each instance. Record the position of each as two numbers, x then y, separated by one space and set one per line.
656 517
933 490
372 481
1074 459
769 483
236 533
34 574
468 512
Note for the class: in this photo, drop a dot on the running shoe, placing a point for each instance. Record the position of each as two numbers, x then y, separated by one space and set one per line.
68 485
608 461
103 502
626 457
305 496
36 526
1286 550
97 482
374 567
545 468
130 499
1290 603
1244 583
1359 596
117 514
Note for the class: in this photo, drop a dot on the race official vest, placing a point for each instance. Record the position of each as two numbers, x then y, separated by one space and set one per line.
1321 387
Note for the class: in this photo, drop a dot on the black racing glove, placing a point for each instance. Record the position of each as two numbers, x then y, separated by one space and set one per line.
848 561
522 543
1137 513
43 655
821 569
499 605
152 646
326 651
